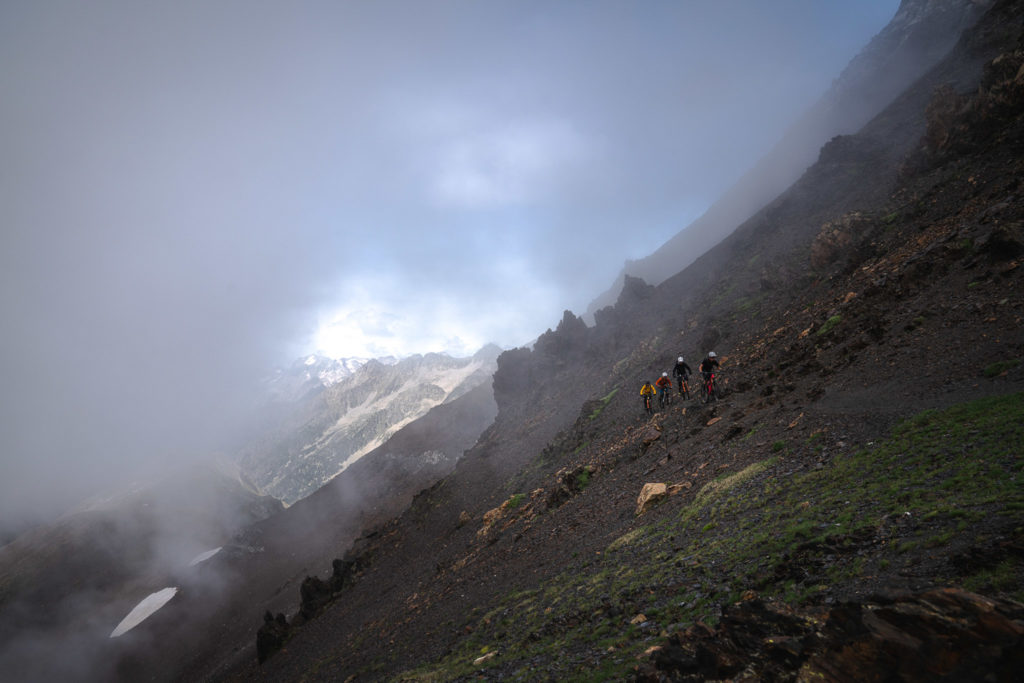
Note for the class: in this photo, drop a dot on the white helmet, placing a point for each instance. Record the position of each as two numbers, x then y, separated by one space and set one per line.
664 374
711 354
679 360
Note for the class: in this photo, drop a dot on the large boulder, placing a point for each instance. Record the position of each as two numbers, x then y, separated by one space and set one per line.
649 495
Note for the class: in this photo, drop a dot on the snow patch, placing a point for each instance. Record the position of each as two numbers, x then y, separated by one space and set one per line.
144 610
203 557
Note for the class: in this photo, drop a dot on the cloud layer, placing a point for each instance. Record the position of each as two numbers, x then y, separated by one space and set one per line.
192 192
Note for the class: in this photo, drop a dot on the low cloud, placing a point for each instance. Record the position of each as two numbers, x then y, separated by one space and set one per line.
188 191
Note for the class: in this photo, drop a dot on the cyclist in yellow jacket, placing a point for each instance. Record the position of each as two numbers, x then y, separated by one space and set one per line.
647 394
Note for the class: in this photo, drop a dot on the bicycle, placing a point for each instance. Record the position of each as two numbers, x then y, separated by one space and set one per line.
648 404
684 389
708 388
664 397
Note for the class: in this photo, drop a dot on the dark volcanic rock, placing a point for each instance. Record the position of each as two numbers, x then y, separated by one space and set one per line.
946 634
271 636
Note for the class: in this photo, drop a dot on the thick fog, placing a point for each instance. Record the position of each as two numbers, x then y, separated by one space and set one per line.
193 192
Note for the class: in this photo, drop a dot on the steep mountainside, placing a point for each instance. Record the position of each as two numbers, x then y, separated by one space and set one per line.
311 440
920 33
65 585
812 507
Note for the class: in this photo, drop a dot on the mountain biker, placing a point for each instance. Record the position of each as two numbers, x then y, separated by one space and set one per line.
708 366
647 394
664 384
681 372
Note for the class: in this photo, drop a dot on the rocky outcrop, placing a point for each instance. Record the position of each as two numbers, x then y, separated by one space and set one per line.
945 634
569 483
317 593
837 239
272 635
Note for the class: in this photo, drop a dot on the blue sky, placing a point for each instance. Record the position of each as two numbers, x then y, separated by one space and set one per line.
193 192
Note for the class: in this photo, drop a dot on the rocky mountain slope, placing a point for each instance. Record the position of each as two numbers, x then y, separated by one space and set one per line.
65 585
814 506
304 443
919 35
811 523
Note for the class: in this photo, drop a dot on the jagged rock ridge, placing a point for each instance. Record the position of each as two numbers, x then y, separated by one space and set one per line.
921 32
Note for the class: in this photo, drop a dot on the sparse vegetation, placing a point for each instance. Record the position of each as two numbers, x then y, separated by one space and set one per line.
604 403
829 325
583 478
741 530
515 501
996 369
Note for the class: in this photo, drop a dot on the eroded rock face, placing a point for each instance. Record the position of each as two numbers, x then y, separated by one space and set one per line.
946 634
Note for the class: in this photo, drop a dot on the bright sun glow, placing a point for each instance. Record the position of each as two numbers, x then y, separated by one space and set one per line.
390 321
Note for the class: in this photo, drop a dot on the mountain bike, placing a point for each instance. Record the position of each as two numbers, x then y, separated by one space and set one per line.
684 388
708 388
664 397
648 404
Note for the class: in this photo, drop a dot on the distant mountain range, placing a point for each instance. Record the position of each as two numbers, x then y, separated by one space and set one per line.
323 414
313 372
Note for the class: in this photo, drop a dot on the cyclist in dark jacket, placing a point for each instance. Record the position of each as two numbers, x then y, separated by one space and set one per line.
681 372
708 365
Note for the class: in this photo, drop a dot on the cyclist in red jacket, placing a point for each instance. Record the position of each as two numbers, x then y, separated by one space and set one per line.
664 384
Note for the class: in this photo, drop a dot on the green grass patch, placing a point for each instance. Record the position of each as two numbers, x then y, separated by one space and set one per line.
829 325
996 369
604 404
583 478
